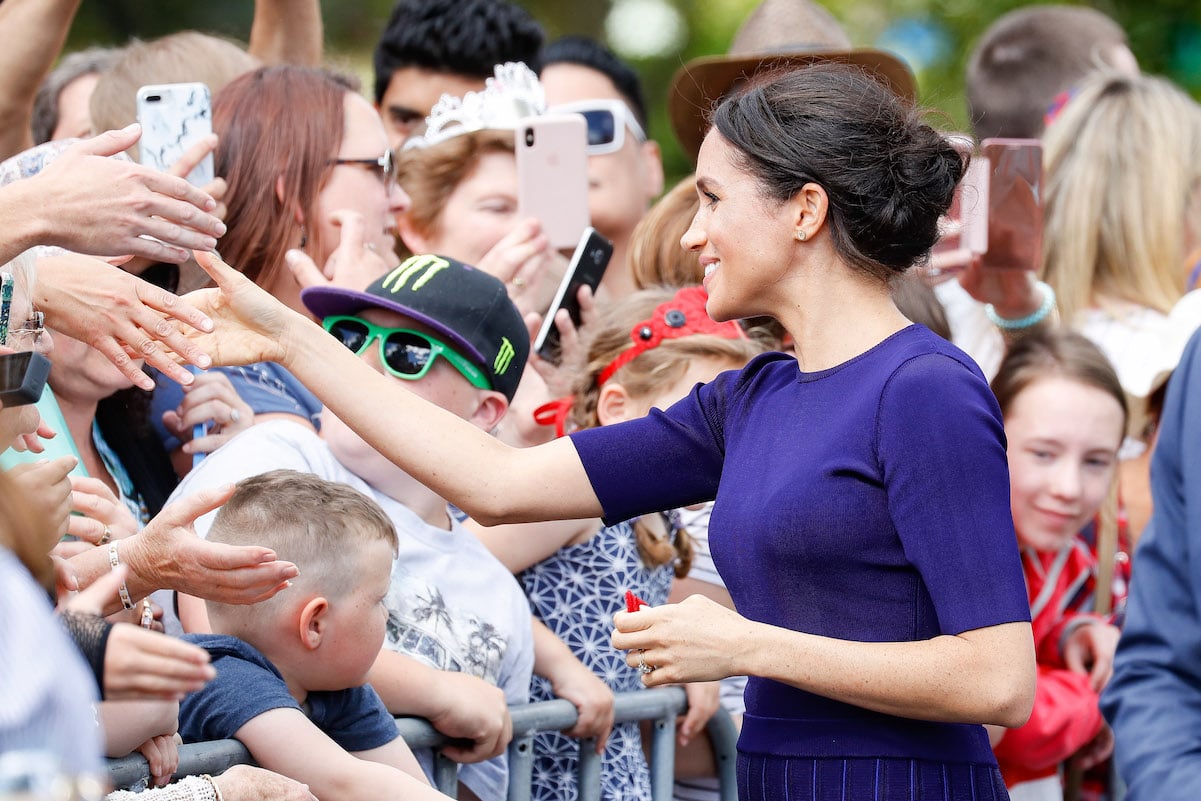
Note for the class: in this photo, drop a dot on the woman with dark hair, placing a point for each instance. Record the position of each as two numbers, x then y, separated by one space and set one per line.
298 148
861 514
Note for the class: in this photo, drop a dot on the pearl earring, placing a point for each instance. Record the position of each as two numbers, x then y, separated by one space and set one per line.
801 235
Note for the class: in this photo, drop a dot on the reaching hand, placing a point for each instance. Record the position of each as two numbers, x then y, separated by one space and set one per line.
120 315
110 207
47 488
1090 649
211 397
522 259
101 515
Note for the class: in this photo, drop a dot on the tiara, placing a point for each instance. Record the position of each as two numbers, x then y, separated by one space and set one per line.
511 93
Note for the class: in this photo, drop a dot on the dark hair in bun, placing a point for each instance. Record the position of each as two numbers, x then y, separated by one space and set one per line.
889 176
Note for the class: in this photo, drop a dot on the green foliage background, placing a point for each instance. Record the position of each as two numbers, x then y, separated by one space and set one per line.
1164 34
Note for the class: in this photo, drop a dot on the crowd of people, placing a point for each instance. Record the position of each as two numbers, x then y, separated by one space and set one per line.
917 520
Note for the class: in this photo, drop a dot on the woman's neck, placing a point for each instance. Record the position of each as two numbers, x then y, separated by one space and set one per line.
79 416
836 313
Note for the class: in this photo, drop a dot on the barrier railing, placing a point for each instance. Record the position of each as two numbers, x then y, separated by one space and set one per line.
660 706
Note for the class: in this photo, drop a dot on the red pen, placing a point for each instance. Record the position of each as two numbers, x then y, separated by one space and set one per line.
633 602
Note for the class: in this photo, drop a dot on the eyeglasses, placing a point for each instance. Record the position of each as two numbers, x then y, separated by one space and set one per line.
384 166
607 122
405 353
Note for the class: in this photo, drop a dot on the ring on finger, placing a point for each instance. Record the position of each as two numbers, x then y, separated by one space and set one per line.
147 614
105 537
643 667
518 282
234 415
369 245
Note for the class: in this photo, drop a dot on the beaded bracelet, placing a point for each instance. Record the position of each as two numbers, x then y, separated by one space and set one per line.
1034 318
114 561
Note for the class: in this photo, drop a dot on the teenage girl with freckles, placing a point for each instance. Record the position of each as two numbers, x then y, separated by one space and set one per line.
861 516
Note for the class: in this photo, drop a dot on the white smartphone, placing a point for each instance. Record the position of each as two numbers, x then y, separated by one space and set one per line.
174 116
587 266
552 175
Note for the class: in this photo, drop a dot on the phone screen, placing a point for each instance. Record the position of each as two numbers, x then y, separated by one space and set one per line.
1015 211
587 267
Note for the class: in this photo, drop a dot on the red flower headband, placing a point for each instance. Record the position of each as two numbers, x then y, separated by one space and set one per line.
682 316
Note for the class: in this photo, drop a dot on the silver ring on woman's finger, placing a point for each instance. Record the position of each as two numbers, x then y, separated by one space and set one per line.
234 415
369 245
643 667
105 537
518 282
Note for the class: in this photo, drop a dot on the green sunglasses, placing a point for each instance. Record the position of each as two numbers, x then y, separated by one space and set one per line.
405 353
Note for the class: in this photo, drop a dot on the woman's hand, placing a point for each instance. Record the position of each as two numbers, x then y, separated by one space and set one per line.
168 554
523 260
211 397
162 756
246 783
1090 649
355 263
593 701
101 515
249 325
122 316
696 640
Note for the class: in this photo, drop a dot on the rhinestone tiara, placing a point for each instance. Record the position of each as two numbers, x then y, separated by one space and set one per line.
513 92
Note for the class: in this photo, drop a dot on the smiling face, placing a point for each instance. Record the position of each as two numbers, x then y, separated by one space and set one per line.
1063 442
742 237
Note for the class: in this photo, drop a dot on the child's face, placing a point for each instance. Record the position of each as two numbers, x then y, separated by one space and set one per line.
356 621
1063 442
700 371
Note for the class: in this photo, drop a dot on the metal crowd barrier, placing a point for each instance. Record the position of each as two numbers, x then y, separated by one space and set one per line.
660 706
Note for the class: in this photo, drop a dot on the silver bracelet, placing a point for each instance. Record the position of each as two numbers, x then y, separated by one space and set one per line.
114 561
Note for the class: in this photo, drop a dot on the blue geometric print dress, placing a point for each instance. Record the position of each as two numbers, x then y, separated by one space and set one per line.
576 592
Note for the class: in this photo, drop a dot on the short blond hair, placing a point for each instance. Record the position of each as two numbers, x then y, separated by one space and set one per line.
320 526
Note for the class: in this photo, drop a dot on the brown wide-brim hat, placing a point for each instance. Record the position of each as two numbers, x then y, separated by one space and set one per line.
699 85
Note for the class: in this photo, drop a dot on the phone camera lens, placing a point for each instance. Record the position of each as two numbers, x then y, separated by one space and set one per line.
529 137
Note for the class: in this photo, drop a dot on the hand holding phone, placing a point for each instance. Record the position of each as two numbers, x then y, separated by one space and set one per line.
1015 210
22 378
587 267
552 175
174 116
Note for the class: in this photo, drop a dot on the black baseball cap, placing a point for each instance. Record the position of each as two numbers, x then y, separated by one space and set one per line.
469 307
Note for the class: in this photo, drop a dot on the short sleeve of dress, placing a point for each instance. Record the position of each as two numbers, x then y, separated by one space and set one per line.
941 445
246 686
665 460
355 719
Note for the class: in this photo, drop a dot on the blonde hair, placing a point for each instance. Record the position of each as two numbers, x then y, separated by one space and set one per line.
320 526
649 373
656 257
1121 163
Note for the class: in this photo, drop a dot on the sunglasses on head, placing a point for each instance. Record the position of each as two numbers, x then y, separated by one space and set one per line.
405 353
383 166
607 122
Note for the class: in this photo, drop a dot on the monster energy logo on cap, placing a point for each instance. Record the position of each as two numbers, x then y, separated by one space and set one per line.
504 357
428 265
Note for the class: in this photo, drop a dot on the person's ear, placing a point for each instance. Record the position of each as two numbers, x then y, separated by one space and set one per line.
614 405
312 622
652 169
809 208
281 193
489 410
413 239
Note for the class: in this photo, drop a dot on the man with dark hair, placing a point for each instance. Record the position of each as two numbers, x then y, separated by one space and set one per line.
625 169
1028 57
435 47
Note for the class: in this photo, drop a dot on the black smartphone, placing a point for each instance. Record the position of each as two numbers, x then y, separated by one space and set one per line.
22 377
587 267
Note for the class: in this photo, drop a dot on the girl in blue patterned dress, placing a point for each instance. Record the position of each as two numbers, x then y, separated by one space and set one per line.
649 351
